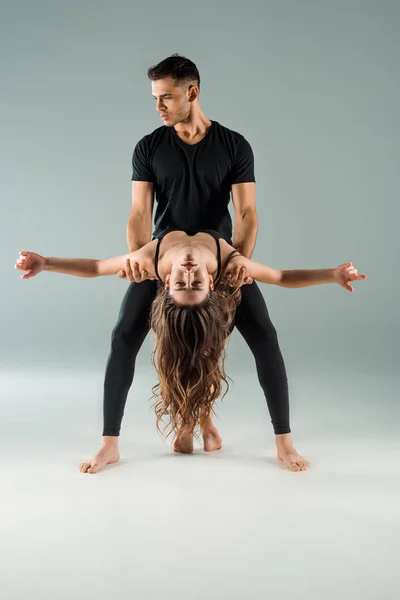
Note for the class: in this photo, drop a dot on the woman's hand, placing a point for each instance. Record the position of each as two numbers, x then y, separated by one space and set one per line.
237 277
346 273
31 263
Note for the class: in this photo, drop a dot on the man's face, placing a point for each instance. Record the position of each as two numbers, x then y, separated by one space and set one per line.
172 101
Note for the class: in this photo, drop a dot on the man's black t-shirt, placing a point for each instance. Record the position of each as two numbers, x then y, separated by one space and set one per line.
193 182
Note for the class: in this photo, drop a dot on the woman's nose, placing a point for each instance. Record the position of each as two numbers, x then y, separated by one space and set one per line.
190 275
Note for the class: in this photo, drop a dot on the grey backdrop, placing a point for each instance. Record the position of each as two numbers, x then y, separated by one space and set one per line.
313 86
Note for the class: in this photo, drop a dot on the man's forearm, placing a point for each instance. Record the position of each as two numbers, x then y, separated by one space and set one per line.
245 233
138 232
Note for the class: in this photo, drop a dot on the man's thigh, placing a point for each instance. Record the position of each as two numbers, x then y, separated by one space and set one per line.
252 313
135 308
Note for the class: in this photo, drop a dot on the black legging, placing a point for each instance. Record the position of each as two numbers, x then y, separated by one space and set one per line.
253 322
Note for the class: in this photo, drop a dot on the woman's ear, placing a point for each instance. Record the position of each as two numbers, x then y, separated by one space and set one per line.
211 282
167 280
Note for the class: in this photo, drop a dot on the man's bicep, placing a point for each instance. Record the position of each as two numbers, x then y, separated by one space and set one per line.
244 198
142 198
243 167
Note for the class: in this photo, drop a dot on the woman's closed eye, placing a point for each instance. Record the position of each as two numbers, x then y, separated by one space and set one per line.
196 284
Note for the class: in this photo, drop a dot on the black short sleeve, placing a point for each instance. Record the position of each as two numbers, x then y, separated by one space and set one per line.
243 170
141 168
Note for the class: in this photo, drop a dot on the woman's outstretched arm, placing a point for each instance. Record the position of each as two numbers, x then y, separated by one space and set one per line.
343 275
33 264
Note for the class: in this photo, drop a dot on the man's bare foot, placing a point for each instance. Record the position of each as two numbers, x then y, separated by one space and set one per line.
288 455
211 438
183 443
292 459
107 455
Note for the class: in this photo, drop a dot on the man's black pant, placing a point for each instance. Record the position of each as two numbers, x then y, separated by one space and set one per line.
253 322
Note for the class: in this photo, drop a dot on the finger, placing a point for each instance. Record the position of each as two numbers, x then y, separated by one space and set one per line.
24 253
241 276
248 280
136 273
27 275
143 275
128 269
122 274
236 276
349 287
227 278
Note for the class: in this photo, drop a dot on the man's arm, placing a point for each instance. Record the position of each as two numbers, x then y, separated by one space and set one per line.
246 221
139 225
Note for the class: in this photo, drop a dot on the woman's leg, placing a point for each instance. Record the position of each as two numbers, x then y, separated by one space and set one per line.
183 442
211 438
253 322
127 338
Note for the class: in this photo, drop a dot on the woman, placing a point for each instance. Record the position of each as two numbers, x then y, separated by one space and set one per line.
193 313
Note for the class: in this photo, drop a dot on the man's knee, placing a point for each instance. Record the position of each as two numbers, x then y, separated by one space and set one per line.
127 341
133 321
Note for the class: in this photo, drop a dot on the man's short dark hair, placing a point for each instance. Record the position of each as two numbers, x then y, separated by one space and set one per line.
181 69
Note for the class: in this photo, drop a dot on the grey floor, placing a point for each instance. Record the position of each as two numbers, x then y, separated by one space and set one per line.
228 525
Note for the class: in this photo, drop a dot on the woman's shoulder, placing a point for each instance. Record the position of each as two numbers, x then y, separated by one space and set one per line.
145 255
229 253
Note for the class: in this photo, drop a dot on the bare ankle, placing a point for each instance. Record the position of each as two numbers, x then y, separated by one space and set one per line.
110 440
283 439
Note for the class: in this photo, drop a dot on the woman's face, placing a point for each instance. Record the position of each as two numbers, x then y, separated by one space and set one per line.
189 282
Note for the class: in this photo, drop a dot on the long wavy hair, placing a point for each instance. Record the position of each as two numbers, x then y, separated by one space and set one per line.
189 356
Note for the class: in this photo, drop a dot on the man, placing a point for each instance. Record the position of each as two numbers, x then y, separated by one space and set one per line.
192 165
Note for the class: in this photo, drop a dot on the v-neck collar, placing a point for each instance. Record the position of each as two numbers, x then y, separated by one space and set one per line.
174 133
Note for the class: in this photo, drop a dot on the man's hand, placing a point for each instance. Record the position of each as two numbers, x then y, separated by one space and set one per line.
237 277
344 274
133 273
122 274
31 263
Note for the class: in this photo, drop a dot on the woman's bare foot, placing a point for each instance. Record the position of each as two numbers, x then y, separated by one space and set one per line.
107 455
183 443
287 454
211 438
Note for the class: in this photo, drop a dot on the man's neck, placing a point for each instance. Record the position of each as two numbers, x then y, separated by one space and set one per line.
194 128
